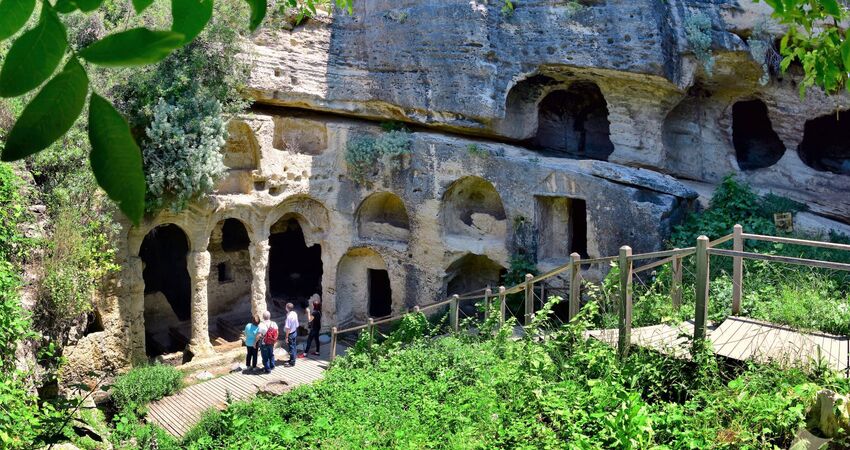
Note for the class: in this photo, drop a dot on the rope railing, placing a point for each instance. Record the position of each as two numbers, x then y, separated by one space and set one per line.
625 259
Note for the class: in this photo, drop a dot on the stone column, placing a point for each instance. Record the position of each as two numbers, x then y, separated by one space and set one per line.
199 270
259 251
134 305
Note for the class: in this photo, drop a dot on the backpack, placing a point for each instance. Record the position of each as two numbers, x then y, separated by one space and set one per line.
271 336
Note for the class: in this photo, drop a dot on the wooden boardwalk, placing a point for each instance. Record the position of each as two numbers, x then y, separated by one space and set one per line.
742 338
179 412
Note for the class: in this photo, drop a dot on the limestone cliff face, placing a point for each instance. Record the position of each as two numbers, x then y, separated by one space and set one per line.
568 126
464 66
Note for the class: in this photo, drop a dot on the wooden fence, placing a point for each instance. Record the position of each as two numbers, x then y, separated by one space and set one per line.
702 251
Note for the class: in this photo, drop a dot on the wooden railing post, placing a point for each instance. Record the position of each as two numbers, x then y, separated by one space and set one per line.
333 343
502 305
575 285
371 331
454 306
701 315
488 308
737 269
676 283
529 298
625 335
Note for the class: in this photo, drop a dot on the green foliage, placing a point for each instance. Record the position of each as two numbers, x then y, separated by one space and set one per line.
698 31
12 213
44 120
363 153
181 154
817 39
35 54
476 151
732 203
547 390
132 391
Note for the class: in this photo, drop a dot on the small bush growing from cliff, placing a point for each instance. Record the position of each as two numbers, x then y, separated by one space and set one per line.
132 391
698 30
763 52
363 153
182 155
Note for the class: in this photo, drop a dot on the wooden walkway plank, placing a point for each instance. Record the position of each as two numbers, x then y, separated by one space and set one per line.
178 413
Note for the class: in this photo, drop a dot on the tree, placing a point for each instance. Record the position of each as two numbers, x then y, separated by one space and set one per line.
816 39
33 57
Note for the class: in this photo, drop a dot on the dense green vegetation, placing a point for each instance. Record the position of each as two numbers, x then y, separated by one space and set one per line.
799 296
557 391
132 391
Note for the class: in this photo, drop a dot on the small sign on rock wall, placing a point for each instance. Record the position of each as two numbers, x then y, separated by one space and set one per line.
784 222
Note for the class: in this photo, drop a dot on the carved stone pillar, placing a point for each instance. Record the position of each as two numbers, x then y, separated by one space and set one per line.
259 252
199 270
134 318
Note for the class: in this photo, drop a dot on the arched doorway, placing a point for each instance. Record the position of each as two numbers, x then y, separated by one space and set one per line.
575 121
168 289
295 269
229 281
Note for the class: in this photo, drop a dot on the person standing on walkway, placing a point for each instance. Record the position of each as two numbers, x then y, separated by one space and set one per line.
251 331
291 332
315 320
267 338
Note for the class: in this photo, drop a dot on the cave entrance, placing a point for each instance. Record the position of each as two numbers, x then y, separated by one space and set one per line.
472 207
756 144
168 290
295 270
383 217
470 273
380 293
575 122
826 143
561 227
229 281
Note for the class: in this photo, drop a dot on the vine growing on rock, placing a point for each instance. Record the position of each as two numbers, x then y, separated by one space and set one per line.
698 30
363 153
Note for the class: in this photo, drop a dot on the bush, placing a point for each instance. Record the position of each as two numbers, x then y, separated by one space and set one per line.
363 153
132 391
182 157
698 31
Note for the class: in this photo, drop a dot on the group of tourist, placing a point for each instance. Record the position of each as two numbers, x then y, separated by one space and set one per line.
262 335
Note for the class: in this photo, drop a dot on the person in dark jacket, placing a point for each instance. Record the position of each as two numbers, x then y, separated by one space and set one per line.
314 318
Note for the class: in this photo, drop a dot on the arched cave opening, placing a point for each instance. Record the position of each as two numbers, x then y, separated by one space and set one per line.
168 289
757 146
362 287
826 143
382 216
472 207
472 272
295 270
575 121
229 281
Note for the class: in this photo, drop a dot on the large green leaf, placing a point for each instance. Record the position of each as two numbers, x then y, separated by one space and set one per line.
190 17
141 5
134 47
831 7
34 56
88 5
258 12
845 51
13 15
50 114
115 158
